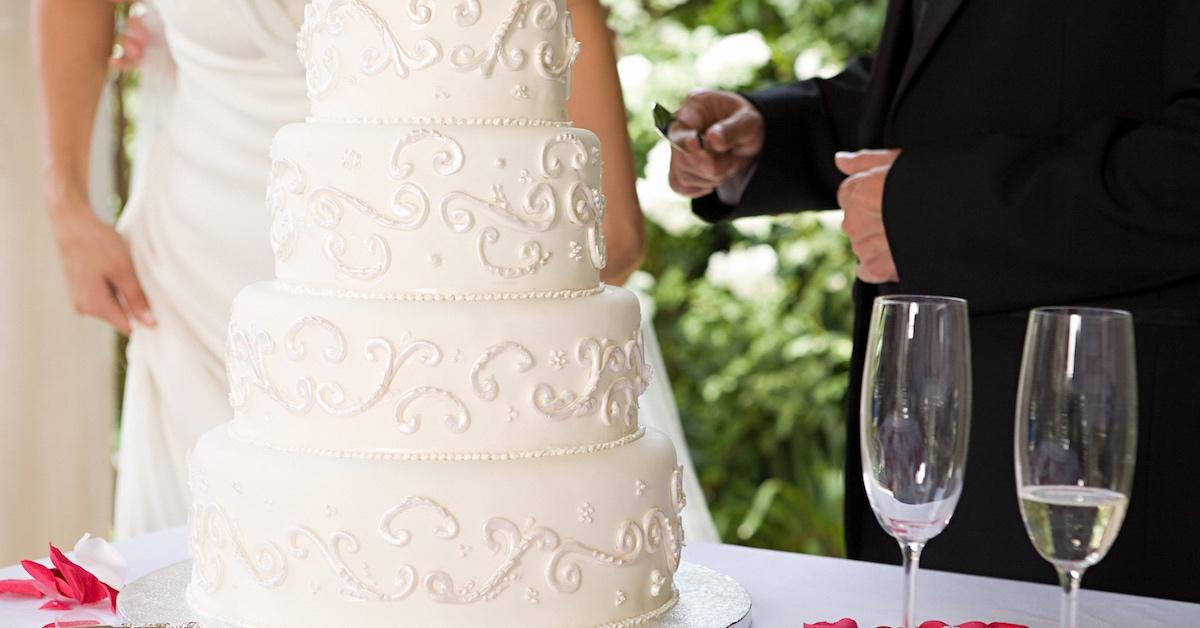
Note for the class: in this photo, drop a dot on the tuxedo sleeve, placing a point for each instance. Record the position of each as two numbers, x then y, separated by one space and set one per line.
1014 222
806 122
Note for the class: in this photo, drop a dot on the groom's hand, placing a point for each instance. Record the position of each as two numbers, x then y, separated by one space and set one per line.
721 134
861 198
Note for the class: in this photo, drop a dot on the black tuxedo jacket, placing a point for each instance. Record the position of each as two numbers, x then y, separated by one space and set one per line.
1051 155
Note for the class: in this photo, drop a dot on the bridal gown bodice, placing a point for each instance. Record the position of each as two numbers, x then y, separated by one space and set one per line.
211 99
198 228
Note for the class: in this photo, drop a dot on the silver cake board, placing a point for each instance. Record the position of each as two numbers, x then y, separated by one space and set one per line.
707 599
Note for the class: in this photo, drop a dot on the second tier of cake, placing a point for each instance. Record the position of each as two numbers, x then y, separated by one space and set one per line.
464 209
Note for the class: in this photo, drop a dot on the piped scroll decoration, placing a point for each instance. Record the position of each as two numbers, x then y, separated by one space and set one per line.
246 364
446 162
636 542
465 58
600 356
324 68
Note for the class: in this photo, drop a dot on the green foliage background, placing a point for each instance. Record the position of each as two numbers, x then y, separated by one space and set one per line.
760 377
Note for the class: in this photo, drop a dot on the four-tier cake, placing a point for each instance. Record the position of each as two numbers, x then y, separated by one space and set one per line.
435 402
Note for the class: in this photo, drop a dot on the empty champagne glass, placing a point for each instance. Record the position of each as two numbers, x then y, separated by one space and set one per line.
915 421
1076 437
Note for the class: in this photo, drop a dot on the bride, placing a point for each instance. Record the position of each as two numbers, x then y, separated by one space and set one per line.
219 78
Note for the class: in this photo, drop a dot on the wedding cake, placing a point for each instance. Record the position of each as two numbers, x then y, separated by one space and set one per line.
435 402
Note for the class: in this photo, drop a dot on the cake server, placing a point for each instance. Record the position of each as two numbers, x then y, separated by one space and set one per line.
663 118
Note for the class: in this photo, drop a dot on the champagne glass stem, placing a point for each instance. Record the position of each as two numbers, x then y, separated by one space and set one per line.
912 559
1069 579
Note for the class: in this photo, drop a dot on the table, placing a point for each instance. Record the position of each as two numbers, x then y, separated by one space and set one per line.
789 589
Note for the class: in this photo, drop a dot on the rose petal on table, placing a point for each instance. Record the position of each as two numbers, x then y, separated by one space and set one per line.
845 622
55 605
112 596
47 580
933 623
87 588
22 587
77 618
102 560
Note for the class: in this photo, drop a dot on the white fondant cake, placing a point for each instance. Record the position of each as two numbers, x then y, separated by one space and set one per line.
435 404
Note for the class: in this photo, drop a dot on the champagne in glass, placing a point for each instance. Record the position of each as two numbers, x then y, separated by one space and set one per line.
915 421
1076 437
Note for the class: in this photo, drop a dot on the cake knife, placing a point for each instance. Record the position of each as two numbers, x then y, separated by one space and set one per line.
663 118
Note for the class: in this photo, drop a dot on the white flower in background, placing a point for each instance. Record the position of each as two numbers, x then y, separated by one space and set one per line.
831 220
754 226
660 203
732 60
101 559
748 273
634 70
812 63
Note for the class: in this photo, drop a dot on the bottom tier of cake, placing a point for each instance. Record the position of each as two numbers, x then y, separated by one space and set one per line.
296 540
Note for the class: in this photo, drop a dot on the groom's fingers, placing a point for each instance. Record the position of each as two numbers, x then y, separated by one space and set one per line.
740 133
858 161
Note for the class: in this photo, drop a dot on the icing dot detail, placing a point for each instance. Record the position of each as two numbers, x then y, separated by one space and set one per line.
639 488
657 581
531 595
586 512
500 163
558 359
351 159
435 260
620 598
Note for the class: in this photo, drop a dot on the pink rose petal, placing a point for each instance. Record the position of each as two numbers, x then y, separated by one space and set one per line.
86 588
845 622
55 605
49 581
23 588
72 623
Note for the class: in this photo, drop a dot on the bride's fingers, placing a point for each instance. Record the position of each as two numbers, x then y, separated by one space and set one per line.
130 289
135 30
103 304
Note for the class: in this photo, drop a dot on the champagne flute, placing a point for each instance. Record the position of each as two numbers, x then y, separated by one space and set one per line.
915 421
1076 437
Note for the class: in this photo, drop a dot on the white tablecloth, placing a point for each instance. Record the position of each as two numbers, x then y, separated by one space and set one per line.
789 589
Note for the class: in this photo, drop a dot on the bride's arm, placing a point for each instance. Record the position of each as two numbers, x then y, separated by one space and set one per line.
73 42
597 105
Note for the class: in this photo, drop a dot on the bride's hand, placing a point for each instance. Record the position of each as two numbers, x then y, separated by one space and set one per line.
133 39
99 269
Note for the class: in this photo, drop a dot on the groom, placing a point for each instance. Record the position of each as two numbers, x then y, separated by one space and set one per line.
1015 153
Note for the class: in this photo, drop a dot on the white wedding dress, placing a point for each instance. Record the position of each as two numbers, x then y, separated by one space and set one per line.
211 101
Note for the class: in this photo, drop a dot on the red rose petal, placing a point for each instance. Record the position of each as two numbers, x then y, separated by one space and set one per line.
40 573
72 624
23 588
933 623
87 588
112 596
49 580
845 622
56 605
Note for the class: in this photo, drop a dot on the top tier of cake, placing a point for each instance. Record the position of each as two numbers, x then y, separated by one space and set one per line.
437 60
